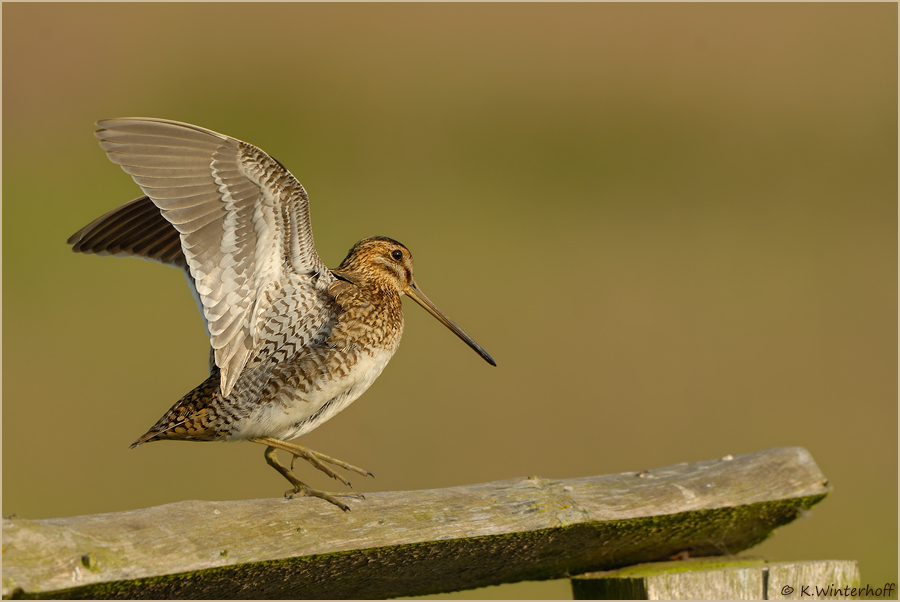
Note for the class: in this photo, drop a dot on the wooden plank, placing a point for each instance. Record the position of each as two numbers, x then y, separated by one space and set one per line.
818 580
413 542
722 579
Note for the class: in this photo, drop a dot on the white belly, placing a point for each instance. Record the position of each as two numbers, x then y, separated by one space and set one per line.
289 416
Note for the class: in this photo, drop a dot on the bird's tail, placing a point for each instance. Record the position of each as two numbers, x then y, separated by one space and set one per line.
192 418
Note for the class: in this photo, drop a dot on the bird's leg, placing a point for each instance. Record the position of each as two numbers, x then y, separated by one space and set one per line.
314 458
300 486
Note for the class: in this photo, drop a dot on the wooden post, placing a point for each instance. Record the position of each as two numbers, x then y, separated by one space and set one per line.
723 579
412 542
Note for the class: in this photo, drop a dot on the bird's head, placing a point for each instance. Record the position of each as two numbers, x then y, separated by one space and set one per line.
388 265
381 261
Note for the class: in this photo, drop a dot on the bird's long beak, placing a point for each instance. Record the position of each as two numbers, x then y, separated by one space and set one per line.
414 293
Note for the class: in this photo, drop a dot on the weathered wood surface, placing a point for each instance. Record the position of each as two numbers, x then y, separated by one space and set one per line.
722 579
815 581
412 542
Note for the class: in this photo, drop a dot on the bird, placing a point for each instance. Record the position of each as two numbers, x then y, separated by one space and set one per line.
292 342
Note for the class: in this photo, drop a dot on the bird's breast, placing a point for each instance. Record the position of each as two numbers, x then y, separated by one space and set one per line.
316 390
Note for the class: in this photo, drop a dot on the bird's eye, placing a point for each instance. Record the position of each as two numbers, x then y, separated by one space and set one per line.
397 254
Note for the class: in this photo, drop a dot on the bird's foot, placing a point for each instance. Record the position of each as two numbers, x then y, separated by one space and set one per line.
313 457
316 459
305 490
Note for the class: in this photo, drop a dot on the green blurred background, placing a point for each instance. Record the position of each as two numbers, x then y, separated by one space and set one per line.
673 226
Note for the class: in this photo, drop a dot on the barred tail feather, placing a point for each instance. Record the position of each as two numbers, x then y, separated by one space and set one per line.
193 418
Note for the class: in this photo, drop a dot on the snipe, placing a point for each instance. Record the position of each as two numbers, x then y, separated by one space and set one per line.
292 342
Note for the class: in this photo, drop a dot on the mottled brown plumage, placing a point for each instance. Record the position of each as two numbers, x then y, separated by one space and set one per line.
292 342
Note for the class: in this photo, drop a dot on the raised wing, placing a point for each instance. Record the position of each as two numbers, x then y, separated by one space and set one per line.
242 219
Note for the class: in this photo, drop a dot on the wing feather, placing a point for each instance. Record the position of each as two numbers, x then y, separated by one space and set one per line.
241 220
137 229
187 162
